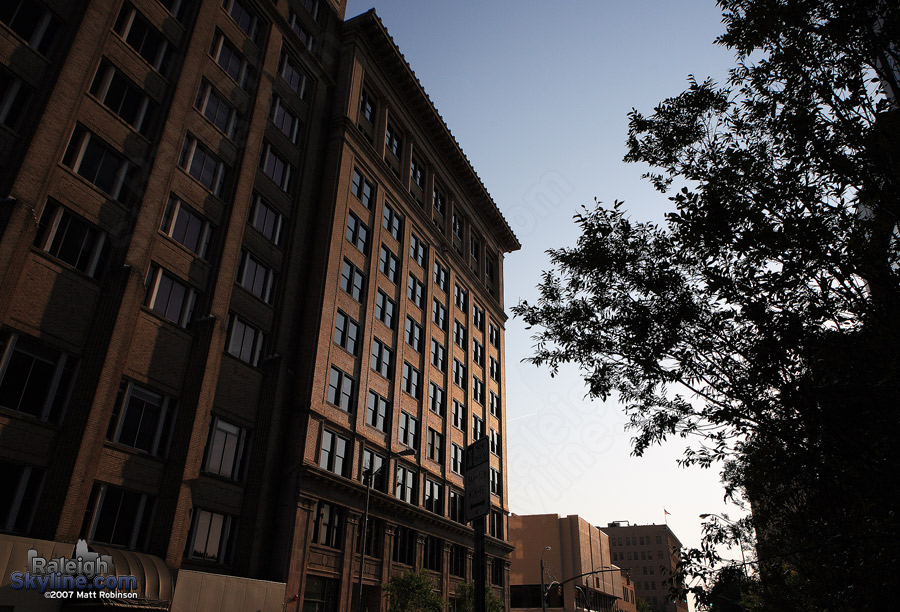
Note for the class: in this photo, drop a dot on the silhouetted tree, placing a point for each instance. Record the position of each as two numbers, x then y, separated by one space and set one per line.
763 318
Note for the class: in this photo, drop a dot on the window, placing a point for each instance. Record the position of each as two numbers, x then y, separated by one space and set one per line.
458 556
100 164
405 546
217 109
244 341
436 403
367 106
417 173
495 404
15 96
378 412
35 24
457 226
496 527
392 221
456 460
256 277
438 355
456 506
300 30
439 201
495 369
459 415
335 453
440 276
411 380
244 18
72 240
120 95
460 297
362 188
393 141
198 161
357 233
276 167
22 484
497 572
415 290
285 120
385 309
212 537
231 60
352 280
478 317
434 554
496 485
495 442
176 7
478 390
340 390
490 272
382 358
434 497
478 353
142 37
414 334
390 264
459 374
120 517
34 379
409 430
477 428
439 314
417 250
265 219
346 332
375 462
185 226
494 335
406 488
142 419
169 296
459 334
295 78
474 251
328 526
226 449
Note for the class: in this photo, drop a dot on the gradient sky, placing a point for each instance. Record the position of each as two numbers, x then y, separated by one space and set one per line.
537 94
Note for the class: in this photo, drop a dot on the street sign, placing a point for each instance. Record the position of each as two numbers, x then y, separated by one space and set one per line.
478 479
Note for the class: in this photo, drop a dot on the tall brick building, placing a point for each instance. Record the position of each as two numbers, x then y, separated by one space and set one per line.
242 259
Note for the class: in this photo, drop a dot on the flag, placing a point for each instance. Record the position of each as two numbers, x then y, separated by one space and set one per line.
667 512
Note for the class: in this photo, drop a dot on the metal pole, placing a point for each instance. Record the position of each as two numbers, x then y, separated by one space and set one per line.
543 593
367 474
480 565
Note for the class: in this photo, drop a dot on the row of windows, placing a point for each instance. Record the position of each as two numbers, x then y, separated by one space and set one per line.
336 448
393 156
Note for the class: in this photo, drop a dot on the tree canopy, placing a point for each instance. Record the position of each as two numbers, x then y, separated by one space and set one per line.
413 592
762 319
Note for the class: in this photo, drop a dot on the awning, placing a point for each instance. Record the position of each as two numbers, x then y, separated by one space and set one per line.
154 578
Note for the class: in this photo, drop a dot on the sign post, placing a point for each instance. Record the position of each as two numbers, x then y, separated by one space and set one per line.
478 504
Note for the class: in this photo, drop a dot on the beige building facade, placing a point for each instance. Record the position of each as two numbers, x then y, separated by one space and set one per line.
579 572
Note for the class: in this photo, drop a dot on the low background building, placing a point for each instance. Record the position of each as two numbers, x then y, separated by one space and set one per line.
576 547
651 554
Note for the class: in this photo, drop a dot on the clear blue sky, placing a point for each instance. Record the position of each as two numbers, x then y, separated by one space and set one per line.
537 94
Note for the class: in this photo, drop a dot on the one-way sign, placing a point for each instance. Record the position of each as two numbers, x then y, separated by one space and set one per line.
478 479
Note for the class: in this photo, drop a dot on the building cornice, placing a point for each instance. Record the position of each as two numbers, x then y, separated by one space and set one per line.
369 27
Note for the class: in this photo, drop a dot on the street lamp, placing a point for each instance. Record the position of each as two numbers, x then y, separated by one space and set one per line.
738 541
543 595
368 474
